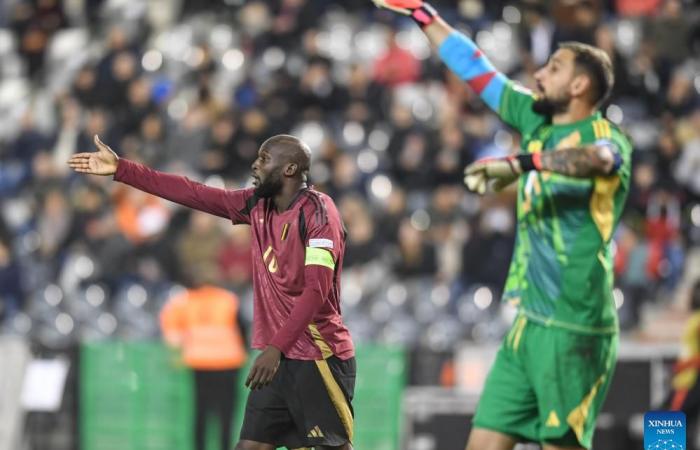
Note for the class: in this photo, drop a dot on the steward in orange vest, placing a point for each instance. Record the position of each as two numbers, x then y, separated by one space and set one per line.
203 322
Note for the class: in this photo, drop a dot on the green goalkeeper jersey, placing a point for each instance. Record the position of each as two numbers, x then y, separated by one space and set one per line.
561 273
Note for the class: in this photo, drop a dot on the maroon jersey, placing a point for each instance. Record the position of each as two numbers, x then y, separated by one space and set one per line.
308 238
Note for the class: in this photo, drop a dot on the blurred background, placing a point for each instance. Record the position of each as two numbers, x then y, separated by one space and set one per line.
194 86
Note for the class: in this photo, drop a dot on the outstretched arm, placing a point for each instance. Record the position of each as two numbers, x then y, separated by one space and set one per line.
456 50
178 189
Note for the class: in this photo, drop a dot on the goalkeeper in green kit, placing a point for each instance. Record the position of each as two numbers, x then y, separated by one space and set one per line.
554 367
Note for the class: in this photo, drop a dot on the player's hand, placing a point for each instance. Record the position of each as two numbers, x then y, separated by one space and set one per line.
404 7
102 162
499 172
264 368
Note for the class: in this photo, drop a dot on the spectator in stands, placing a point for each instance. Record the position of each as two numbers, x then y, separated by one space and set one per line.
669 31
535 34
416 256
688 167
35 22
201 243
234 261
362 245
396 65
11 291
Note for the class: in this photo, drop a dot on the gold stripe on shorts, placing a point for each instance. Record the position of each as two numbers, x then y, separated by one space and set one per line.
577 417
337 396
321 343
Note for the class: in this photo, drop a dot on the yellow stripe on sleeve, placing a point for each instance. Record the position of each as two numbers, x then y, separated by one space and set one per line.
602 204
319 257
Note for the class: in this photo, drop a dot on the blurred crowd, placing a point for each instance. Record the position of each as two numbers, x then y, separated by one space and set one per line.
194 87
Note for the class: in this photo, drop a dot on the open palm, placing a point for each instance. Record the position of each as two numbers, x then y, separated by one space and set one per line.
102 162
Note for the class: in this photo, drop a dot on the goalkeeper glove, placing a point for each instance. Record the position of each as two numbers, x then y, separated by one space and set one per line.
421 12
502 171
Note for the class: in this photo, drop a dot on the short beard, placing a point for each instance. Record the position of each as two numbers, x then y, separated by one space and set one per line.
271 187
549 107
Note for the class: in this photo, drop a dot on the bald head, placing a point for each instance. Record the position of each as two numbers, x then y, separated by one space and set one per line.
289 149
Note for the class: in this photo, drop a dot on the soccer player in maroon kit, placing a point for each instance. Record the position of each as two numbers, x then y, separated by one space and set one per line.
302 383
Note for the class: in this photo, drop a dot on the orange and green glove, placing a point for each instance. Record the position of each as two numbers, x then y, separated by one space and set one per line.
421 12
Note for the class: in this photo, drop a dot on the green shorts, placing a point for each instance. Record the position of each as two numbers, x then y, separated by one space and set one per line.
547 384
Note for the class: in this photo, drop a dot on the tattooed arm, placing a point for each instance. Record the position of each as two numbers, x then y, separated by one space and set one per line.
581 162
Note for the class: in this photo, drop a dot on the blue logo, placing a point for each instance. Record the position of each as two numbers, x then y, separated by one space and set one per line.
664 430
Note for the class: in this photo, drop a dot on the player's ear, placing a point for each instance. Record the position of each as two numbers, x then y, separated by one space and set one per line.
580 84
291 169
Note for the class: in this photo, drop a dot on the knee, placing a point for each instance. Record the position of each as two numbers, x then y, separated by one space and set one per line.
482 439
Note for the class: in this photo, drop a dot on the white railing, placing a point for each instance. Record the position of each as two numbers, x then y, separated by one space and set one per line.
14 357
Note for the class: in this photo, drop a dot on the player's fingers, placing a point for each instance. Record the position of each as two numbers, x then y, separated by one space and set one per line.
262 376
270 376
481 187
263 379
474 168
101 145
474 181
383 4
77 166
79 157
413 4
256 380
470 182
251 377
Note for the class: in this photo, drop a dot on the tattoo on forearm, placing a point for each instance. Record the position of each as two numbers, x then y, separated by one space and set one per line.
582 162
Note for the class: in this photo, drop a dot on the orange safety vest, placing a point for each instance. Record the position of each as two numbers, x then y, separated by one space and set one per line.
203 321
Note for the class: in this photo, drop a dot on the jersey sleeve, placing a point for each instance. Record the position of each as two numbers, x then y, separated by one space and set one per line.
610 191
621 146
231 204
509 100
470 64
515 108
607 135
324 234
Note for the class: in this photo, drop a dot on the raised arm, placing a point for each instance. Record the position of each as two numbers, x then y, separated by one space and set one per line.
178 189
456 50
